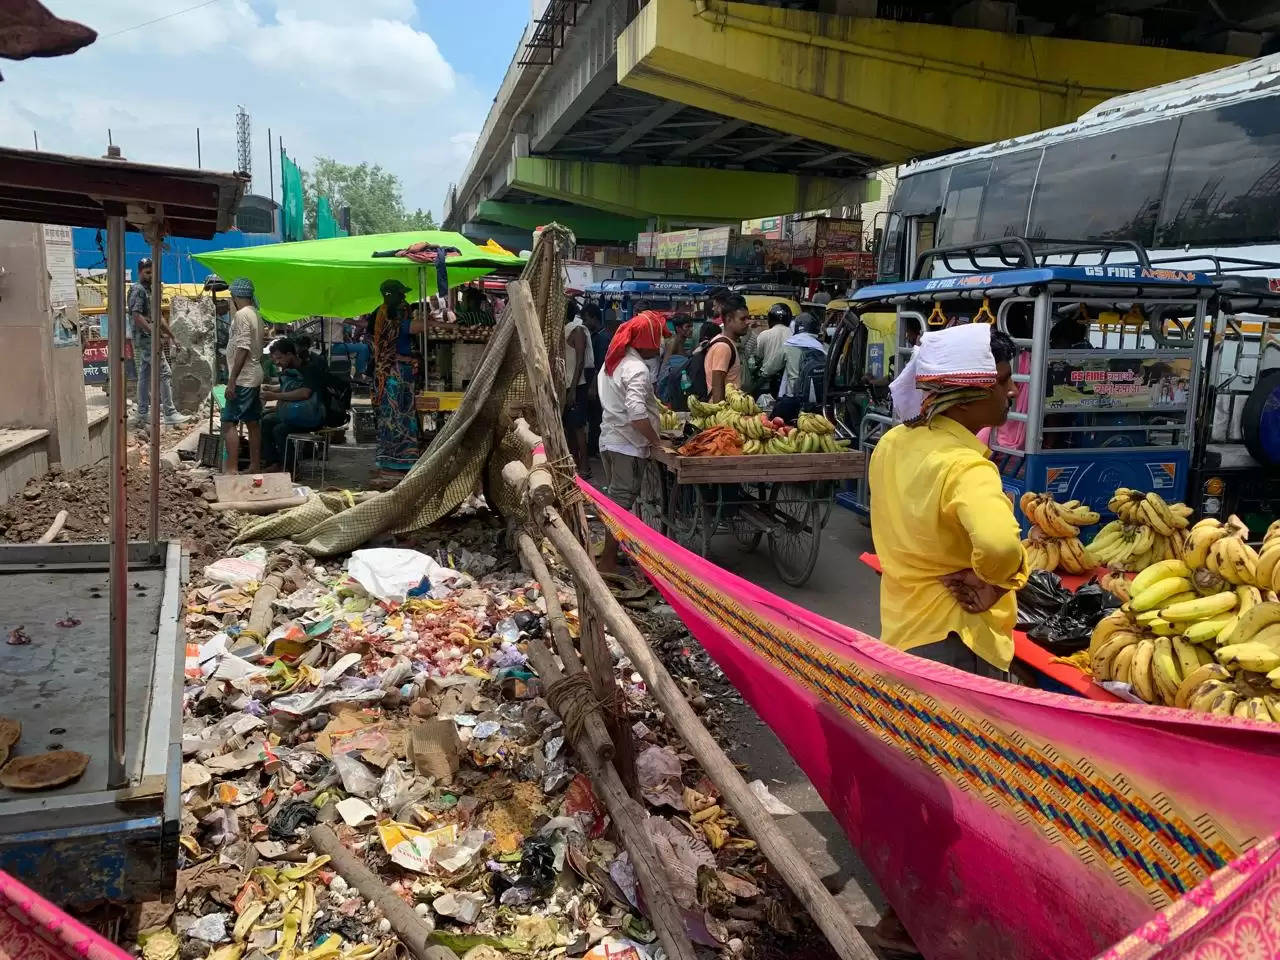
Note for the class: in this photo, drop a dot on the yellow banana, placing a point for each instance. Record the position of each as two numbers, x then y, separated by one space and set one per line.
1193 681
1122 664
1163 628
1203 696
1158 571
1108 625
1206 631
1151 517
1100 661
1164 670
1224 702
1201 608
1184 651
1140 677
1158 593
1254 621
1255 657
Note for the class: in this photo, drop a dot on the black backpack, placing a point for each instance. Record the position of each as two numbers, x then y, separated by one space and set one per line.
335 396
699 385
813 375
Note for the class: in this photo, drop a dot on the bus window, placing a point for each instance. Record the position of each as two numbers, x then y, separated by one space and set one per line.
1224 185
1105 187
959 219
1008 195
889 266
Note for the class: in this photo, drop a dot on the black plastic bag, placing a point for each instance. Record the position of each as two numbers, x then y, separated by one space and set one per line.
293 814
1041 598
1069 629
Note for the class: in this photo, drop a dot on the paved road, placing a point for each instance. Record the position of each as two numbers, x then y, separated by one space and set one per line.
843 589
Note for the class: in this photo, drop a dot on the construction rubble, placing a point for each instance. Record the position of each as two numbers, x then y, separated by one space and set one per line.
388 697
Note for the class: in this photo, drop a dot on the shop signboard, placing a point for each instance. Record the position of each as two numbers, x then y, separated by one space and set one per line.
678 245
647 245
1079 381
95 361
860 266
714 242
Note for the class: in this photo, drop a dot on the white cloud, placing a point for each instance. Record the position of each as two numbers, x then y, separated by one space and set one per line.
357 80
387 59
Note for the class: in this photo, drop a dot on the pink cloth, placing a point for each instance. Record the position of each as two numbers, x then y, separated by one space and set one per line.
1013 433
31 928
999 821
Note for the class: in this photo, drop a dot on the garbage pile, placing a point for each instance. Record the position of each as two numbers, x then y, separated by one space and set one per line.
389 697
86 496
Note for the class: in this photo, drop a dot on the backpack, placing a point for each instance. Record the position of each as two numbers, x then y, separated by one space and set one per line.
699 384
335 397
670 390
813 377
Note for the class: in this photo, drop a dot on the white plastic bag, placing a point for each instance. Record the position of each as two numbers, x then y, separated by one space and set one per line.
389 573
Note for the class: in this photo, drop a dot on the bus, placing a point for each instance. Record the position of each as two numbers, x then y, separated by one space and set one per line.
1183 169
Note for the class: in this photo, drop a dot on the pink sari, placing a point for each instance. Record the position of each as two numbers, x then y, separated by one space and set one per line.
1013 434
31 928
999 821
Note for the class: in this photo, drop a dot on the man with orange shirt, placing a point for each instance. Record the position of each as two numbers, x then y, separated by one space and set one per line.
723 361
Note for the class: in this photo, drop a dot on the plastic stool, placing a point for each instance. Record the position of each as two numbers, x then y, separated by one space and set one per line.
314 443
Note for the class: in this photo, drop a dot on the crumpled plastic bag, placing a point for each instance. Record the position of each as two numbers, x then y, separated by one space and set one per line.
238 571
658 771
389 573
1041 597
1069 629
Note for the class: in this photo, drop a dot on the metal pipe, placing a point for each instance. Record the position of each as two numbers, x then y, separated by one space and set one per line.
119 571
1039 365
153 492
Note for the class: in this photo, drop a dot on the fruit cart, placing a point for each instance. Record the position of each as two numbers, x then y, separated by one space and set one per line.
785 497
1110 372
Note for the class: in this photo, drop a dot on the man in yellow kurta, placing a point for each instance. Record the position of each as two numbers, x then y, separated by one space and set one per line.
949 546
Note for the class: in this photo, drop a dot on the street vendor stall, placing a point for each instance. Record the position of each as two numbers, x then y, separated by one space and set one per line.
340 277
1110 365
91 672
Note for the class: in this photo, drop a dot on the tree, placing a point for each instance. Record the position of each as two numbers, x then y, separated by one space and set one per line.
373 194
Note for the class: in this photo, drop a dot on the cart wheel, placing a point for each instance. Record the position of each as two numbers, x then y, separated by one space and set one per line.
794 548
650 502
747 534
687 520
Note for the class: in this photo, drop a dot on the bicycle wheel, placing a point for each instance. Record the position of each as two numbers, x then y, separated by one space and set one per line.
687 521
794 543
650 502
744 532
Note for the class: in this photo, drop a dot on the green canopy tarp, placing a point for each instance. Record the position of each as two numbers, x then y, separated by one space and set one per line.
339 277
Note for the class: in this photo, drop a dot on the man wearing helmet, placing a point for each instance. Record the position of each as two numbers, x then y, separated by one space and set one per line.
802 356
769 346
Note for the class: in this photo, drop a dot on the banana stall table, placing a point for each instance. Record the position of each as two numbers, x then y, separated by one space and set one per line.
1037 657
787 497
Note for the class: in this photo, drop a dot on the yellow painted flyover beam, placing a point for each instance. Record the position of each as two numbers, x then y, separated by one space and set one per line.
692 193
887 90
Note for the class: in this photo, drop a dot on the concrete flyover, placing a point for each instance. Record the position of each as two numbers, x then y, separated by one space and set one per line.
614 113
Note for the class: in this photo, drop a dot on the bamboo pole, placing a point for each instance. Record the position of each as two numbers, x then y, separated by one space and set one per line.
260 614
412 930
628 816
782 854
546 403
555 613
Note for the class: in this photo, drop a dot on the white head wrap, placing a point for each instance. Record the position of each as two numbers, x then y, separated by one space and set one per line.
956 357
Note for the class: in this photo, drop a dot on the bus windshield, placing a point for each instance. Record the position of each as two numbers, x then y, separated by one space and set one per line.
1203 177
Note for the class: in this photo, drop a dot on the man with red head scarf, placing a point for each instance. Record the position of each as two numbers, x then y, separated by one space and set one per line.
629 418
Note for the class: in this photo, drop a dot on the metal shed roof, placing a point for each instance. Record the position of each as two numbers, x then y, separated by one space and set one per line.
40 187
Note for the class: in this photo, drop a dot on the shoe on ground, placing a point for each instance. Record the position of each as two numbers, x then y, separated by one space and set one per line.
176 419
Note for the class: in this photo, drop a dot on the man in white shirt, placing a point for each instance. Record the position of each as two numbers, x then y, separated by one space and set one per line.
769 346
629 419
244 379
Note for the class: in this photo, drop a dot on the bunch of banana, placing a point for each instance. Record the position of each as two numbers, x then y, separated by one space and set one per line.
752 448
781 444
1053 553
1124 546
1267 572
1136 506
740 403
668 421
812 423
754 428
1116 584
1220 549
1056 519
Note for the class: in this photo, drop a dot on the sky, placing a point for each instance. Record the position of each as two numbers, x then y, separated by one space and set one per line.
406 85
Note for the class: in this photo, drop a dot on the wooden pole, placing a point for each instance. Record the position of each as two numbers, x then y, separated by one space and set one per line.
412 930
260 614
628 816
786 859
546 404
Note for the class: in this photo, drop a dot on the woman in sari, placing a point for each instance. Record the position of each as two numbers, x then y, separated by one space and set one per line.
394 372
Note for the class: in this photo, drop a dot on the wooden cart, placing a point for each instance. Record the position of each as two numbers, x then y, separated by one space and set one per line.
787 498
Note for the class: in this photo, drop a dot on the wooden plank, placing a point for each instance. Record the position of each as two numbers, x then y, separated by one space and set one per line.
252 487
791 468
